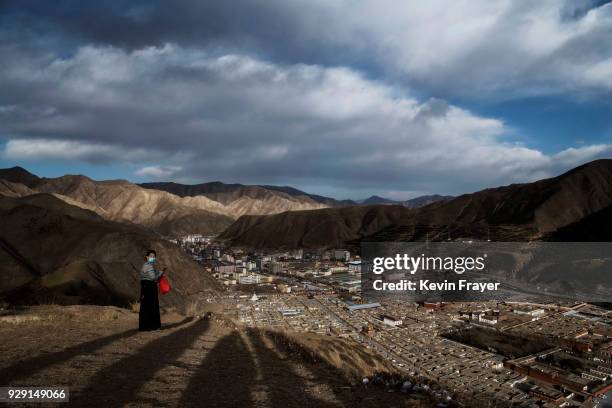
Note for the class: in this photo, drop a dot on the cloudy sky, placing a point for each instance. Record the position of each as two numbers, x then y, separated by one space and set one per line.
345 98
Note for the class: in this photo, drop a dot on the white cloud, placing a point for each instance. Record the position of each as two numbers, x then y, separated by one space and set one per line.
57 149
480 48
183 112
573 156
158 172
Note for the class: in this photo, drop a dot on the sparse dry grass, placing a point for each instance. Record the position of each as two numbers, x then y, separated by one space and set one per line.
192 309
199 307
135 307
348 357
46 313
19 319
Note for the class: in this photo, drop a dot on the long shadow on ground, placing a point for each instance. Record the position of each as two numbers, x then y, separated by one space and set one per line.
24 369
120 383
228 377
225 377
286 387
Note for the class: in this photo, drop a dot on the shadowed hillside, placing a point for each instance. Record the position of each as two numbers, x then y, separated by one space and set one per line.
226 193
517 212
54 252
168 208
594 227
416 202
318 228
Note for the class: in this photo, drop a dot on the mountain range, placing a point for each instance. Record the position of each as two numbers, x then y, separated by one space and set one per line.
223 192
170 209
71 239
542 210
412 203
226 192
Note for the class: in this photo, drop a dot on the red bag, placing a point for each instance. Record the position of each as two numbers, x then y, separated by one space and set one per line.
164 285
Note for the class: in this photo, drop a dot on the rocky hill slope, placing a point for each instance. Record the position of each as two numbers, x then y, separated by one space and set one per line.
527 211
239 197
223 192
173 209
162 211
53 252
119 200
416 202
317 228
228 193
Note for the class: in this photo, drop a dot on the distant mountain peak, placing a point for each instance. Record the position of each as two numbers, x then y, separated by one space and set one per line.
18 174
375 199
218 190
17 168
411 203
572 206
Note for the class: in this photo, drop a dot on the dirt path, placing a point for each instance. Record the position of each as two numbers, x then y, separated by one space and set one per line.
192 362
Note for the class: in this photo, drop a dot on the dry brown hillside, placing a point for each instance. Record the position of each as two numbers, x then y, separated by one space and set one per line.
317 228
167 213
119 200
516 212
54 252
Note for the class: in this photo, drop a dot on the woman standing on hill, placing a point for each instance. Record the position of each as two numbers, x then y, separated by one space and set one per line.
149 303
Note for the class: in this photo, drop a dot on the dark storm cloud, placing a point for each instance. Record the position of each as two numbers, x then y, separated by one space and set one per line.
473 49
277 29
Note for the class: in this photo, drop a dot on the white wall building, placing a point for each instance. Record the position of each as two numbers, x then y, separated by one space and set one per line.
391 321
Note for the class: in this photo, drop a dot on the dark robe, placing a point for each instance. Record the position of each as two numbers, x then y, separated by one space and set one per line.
149 306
